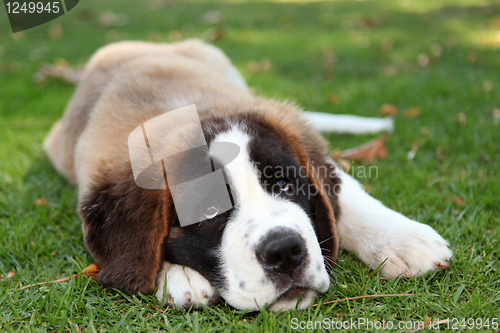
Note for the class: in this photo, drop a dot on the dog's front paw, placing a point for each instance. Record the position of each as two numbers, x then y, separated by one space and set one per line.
412 249
184 288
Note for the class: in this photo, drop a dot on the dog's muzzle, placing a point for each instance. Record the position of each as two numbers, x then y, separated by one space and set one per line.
281 251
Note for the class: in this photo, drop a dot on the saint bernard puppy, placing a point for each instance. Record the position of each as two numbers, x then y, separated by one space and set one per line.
292 207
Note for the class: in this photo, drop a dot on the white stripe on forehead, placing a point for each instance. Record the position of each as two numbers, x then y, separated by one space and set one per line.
258 215
242 174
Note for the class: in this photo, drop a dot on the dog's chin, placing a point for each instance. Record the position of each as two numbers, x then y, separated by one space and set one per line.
288 300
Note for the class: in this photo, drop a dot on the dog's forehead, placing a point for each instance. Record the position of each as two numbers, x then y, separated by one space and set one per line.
240 171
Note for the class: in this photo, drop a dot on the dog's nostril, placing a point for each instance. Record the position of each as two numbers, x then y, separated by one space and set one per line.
282 252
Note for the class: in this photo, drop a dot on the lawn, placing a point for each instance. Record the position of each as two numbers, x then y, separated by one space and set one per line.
437 62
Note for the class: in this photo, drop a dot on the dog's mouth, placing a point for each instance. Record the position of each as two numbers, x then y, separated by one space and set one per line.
293 293
293 297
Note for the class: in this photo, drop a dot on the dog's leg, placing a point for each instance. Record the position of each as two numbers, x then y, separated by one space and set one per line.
377 233
343 123
184 288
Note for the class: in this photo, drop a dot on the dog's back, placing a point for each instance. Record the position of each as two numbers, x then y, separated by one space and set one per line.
124 71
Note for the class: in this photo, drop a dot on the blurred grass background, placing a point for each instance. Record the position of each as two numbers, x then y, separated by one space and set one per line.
436 62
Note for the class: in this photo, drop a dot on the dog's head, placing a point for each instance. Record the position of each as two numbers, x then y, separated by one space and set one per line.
272 247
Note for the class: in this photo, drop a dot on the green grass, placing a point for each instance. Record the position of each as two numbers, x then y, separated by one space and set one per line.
366 54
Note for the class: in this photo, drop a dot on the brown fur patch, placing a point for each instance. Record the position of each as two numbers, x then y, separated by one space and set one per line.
125 227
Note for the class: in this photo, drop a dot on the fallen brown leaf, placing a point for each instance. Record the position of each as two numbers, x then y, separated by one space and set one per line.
412 112
388 109
366 21
439 154
214 34
333 99
459 200
41 201
55 31
367 152
440 265
263 65
422 325
8 276
253 66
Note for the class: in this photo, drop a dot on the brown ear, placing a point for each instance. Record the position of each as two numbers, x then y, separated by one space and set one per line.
326 207
124 229
323 176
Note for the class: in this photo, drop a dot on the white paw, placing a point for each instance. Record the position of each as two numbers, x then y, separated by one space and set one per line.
411 248
185 288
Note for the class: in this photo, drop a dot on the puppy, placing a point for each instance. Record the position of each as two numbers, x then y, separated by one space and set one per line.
290 205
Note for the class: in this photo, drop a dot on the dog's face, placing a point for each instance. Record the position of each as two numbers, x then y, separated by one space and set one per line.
266 249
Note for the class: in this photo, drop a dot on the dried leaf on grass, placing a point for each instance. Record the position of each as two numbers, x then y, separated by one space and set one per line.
459 200
55 31
412 112
214 34
388 109
41 201
90 271
60 69
264 65
333 99
8 276
440 265
367 152
428 323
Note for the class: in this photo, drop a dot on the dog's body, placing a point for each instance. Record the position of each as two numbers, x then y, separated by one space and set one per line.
270 247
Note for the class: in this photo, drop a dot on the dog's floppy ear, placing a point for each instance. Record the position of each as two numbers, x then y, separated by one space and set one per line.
124 229
326 183
324 178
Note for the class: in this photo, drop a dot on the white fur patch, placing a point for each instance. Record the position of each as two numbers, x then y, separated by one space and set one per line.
377 233
343 123
185 288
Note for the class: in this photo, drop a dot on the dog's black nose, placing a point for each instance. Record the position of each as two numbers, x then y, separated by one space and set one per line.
282 251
